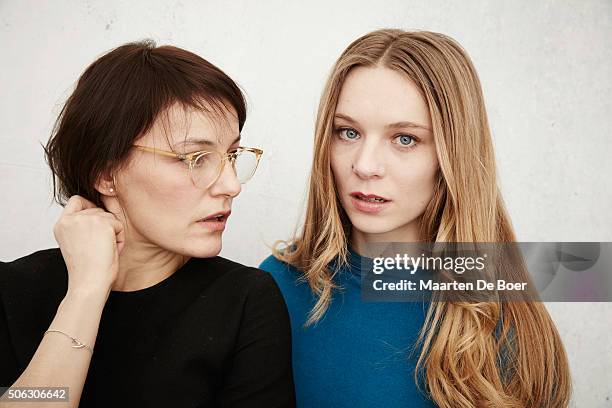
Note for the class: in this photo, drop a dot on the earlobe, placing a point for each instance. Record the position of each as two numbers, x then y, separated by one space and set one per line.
106 186
107 191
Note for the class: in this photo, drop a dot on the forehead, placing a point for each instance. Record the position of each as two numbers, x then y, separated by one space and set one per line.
380 95
178 123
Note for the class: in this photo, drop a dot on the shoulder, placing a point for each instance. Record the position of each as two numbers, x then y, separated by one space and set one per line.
281 271
245 280
31 288
251 291
271 263
39 260
42 270
296 291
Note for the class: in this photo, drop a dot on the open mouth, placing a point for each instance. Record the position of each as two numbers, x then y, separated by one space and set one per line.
215 218
369 198
219 217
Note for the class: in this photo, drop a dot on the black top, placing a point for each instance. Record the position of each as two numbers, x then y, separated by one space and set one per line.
215 333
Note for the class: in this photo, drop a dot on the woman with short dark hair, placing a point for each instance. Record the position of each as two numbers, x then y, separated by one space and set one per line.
135 308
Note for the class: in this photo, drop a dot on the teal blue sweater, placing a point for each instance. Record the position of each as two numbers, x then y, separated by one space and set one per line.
359 354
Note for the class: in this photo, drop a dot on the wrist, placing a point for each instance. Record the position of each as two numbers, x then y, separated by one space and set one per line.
87 294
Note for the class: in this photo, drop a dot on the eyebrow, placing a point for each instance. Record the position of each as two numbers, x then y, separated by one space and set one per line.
205 142
396 125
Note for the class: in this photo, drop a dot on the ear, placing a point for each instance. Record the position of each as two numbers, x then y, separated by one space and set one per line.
106 185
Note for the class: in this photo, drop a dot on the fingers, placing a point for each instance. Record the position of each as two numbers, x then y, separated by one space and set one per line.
120 236
109 218
117 225
77 203
94 211
119 232
82 206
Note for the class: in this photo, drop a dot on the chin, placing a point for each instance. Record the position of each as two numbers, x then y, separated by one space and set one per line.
205 248
372 225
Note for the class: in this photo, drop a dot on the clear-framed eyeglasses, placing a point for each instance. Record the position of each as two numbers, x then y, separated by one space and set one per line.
205 166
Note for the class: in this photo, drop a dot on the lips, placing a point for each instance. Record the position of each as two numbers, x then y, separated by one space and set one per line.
220 216
370 198
369 203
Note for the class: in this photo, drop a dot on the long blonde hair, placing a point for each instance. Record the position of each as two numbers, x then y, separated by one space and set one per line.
459 359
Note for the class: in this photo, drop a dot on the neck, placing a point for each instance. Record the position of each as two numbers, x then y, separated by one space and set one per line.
144 265
406 233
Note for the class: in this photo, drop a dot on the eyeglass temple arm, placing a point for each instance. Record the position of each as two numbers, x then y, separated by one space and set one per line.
162 152
259 152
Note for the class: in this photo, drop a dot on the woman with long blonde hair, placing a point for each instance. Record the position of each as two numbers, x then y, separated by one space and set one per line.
403 153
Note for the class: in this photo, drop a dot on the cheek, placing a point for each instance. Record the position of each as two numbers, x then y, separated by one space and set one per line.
417 181
340 164
153 194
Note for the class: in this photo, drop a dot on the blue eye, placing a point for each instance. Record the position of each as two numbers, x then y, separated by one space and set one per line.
348 133
405 140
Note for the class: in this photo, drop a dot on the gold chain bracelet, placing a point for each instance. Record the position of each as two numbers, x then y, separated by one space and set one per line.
75 343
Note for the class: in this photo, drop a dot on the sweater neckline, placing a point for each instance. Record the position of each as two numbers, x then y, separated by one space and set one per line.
164 283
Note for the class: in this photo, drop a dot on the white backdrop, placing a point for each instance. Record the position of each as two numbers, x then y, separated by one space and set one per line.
546 69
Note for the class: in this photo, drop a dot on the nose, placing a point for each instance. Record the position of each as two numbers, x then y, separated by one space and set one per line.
368 162
227 184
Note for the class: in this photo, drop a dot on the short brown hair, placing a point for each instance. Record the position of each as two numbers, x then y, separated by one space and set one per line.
117 99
